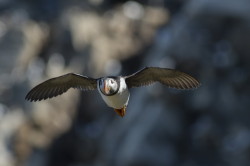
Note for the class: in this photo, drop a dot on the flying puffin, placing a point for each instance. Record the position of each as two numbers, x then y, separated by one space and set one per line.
113 89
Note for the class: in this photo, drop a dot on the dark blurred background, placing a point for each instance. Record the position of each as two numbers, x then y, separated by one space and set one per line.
209 39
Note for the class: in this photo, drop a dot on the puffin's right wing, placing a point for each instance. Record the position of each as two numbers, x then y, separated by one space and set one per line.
59 85
170 77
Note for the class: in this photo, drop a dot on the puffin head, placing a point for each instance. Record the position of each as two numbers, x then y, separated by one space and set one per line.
109 86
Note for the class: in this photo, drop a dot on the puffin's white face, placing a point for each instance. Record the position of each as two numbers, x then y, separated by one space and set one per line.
108 86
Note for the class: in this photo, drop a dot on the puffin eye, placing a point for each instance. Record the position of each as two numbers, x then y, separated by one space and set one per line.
112 81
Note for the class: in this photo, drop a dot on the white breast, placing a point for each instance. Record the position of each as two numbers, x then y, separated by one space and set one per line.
118 100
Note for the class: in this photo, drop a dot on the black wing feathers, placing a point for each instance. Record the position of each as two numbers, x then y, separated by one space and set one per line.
59 85
170 77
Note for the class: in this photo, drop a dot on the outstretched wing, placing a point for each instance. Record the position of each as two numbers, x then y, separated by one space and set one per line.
59 85
170 77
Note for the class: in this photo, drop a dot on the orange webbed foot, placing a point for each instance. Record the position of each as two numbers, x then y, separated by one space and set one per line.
121 112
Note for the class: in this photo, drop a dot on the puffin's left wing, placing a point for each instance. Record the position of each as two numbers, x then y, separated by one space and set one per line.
170 77
59 85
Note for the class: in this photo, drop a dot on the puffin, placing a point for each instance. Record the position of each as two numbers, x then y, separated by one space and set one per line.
114 90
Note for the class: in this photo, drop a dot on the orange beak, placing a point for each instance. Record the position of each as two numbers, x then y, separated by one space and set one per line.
106 88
